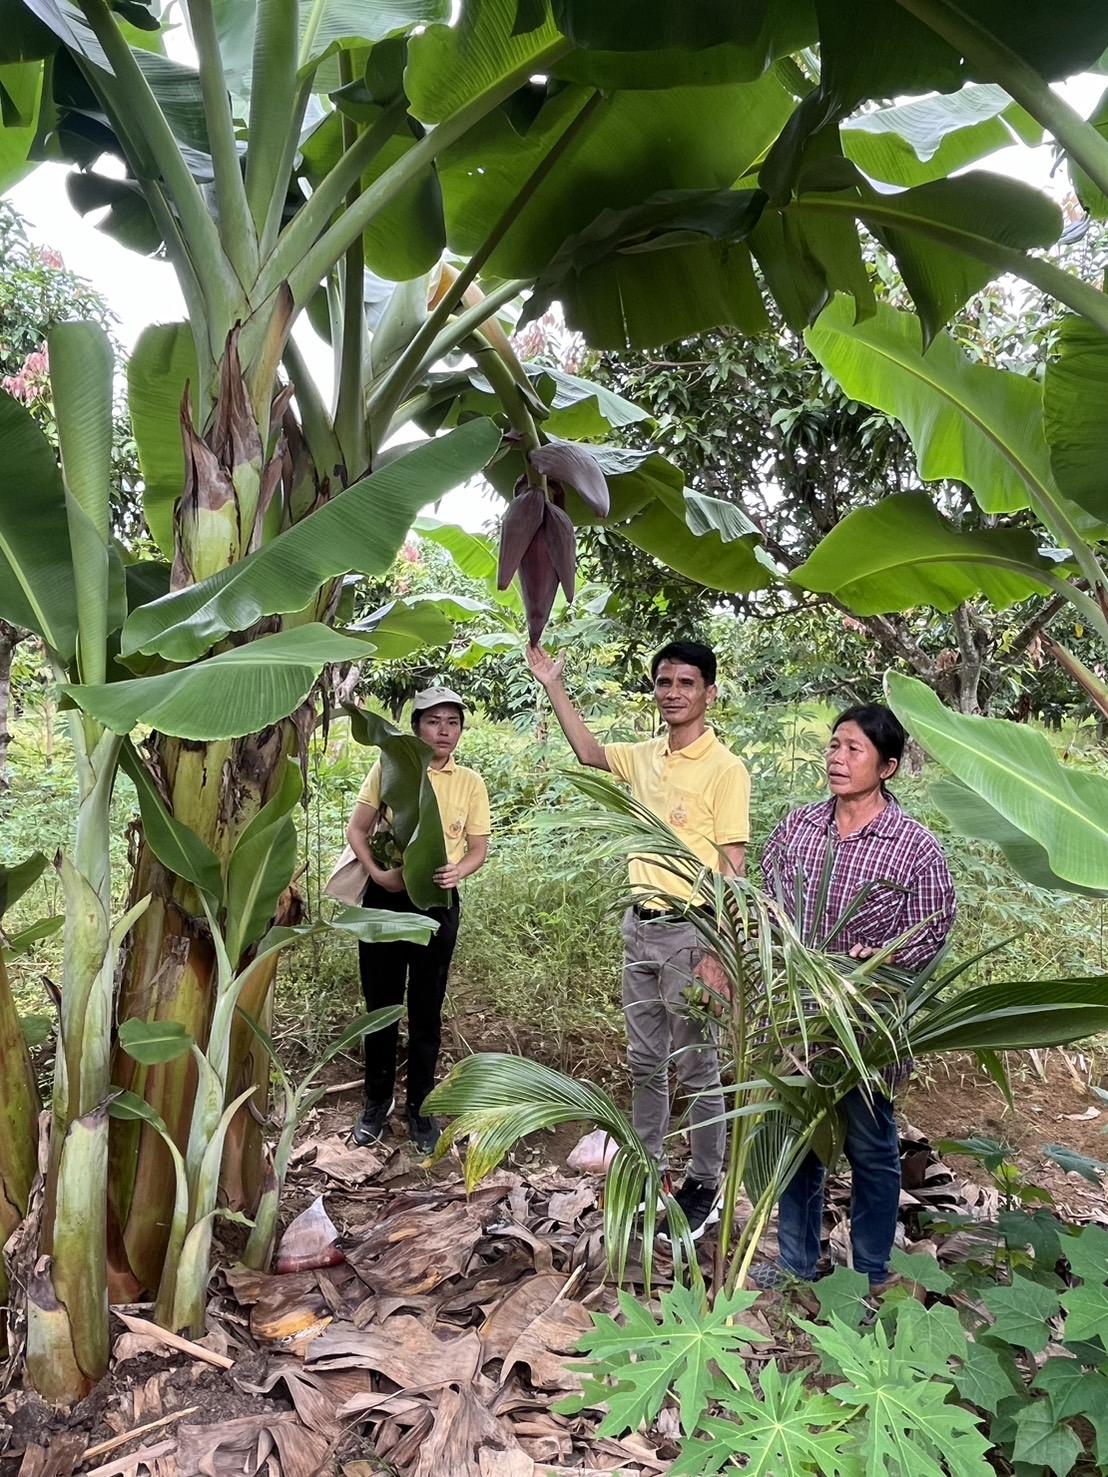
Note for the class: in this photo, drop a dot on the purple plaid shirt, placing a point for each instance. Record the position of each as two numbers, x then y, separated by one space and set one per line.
891 848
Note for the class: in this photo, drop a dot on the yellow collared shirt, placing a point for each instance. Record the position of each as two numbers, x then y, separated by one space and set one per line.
463 803
702 792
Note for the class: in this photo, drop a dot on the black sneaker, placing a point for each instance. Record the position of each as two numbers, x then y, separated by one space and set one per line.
700 1205
771 1277
370 1127
424 1133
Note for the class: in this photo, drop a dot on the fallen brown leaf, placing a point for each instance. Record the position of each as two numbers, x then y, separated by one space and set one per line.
237 1447
339 1160
517 1311
416 1249
403 1349
543 1253
59 1459
568 1206
281 1306
545 1341
317 1395
466 1441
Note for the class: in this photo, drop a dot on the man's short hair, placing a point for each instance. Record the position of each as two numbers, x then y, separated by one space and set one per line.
691 654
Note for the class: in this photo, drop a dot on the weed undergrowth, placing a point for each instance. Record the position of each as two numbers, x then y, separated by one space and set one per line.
1002 1365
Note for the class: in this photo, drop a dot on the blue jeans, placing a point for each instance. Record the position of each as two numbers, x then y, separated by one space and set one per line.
874 1155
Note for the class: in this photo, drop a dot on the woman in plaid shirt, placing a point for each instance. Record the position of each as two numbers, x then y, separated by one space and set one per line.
870 840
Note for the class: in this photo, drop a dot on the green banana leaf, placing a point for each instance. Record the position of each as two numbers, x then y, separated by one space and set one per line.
926 138
871 49
162 364
448 66
81 371
362 528
14 881
713 542
637 143
1075 393
262 863
332 24
967 422
949 237
237 692
1011 766
972 816
406 790
172 842
901 553
36 566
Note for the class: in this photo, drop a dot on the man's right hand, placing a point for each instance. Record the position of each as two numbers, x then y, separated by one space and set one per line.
546 668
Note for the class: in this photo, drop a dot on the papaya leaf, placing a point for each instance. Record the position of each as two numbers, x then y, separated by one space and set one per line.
908 1425
1022 1313
775 1434
920 1270
678 1353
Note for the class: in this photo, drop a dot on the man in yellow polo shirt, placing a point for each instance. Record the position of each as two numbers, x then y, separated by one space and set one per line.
702 792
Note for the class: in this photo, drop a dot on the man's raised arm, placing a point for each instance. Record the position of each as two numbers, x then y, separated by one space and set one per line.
547 671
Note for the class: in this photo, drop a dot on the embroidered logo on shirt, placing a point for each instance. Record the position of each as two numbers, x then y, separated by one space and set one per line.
679 816
455 826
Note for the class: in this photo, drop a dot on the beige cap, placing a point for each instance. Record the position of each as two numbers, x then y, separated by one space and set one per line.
431 697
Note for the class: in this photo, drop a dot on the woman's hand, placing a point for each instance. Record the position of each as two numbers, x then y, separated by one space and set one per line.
861 951
716 987
448 877
391 880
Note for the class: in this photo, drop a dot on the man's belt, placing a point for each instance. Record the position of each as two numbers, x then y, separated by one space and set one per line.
670 915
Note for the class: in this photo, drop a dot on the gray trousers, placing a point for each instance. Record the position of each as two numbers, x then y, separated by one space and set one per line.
658 963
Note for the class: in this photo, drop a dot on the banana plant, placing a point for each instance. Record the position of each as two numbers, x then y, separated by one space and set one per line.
182 1289
69 582
19 1095
299 1101
799 1028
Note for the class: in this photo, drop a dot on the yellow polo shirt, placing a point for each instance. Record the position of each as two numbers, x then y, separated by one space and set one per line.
463 803
702 792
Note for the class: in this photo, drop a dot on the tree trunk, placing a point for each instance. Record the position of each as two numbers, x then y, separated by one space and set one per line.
973 643
169 973
19 1110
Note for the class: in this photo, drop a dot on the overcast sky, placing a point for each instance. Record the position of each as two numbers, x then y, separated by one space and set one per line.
141 291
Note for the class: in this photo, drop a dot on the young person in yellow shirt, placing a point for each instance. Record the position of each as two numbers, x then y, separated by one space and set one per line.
388 969
702 792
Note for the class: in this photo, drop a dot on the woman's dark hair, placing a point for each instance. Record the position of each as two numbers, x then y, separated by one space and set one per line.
692 653
422 712
880 725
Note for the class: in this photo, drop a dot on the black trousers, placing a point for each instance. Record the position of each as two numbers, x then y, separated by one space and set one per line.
387 970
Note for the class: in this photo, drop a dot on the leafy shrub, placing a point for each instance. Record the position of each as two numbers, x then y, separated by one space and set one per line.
914 1390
